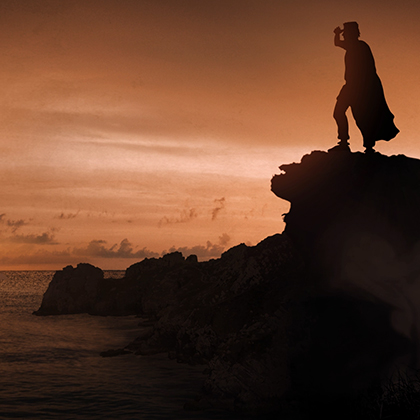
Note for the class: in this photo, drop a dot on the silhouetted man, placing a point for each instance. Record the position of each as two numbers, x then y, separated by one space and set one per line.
363 93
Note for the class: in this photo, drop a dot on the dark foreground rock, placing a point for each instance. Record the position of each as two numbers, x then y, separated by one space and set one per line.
339 199
234 314
323 312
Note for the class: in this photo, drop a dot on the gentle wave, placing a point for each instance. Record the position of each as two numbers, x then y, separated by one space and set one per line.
50 367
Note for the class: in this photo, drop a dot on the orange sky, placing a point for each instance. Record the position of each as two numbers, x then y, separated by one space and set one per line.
130 128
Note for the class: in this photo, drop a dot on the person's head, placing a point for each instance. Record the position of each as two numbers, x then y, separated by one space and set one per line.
351 31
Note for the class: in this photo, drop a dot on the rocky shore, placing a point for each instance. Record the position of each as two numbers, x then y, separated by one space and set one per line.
324 311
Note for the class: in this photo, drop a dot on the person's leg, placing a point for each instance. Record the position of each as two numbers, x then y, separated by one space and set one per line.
369 126
341 106
340 117
342 123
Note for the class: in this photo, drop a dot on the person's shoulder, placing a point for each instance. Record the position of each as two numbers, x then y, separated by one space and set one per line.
363 44
363 48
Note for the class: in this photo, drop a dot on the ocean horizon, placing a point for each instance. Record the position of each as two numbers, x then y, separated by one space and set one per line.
50 367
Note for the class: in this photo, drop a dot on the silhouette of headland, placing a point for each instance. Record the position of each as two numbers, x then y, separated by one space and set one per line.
319 314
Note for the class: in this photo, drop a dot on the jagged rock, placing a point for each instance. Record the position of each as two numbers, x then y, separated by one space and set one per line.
85 290
340 199
201 308
72 290
354 218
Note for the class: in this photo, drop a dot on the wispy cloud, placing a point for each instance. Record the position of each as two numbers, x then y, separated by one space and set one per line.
219 206
42 239
31 251
99 248
185 216
67 216
16 224
204 251
13 224
9 233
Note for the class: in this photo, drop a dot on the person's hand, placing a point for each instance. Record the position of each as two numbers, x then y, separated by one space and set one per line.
338 30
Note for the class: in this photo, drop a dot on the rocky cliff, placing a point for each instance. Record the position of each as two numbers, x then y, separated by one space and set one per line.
339 199
232 313
325 310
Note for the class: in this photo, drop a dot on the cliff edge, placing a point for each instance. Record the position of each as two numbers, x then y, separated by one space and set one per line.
340 199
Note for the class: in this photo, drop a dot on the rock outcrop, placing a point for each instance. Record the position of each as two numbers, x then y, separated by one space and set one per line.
323 311
73 290
339 199
354 218
85 290
233 314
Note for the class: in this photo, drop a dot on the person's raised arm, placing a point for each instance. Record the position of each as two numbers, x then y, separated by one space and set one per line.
338 42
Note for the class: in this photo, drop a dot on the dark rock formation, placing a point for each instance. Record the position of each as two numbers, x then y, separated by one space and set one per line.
85 290
338 199
233 313
324 311
73 290
354 218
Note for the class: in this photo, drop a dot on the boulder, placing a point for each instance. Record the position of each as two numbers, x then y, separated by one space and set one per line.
72 290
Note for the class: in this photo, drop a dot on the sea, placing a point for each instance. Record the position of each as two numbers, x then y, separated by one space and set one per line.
51 368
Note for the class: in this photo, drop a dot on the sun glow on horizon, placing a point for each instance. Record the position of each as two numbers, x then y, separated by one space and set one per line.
123 136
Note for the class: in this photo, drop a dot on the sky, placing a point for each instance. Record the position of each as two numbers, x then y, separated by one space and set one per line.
132 128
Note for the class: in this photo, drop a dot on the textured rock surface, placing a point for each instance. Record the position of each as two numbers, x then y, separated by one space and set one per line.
338 199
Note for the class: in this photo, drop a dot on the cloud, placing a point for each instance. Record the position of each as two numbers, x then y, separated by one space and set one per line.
13 226
28 254
66 216
98 248
220 205
42 239
95 249
224 239
208 251
185 217
16 224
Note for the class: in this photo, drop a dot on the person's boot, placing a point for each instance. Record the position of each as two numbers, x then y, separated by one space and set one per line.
369 150
369 146
342 146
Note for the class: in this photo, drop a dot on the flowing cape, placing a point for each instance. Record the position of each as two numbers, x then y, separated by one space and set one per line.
364 93
372 114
